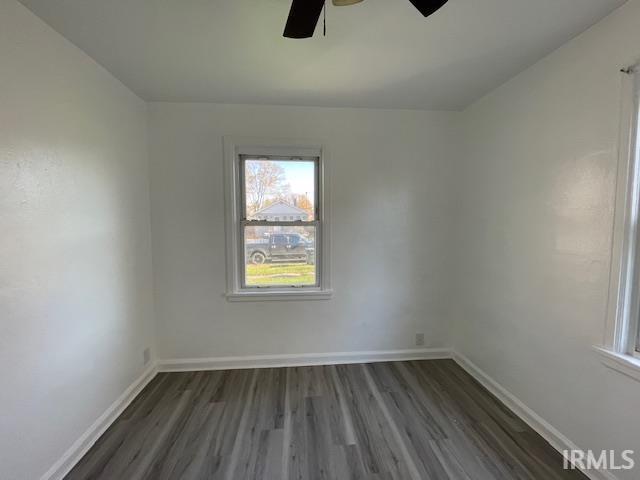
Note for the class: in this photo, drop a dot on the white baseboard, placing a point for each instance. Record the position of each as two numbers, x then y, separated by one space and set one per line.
300 360
81 446
535 421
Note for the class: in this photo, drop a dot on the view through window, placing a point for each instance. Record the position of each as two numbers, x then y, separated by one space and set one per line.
279 228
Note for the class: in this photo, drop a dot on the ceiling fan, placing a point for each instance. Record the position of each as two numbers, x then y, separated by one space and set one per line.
304 14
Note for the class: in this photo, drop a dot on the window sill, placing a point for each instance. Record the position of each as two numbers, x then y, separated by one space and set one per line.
625 364
279 296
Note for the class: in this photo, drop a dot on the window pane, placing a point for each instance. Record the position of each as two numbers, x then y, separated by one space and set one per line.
280 256
279 190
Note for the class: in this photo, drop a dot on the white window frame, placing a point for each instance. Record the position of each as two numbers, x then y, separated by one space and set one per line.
619 350
234 149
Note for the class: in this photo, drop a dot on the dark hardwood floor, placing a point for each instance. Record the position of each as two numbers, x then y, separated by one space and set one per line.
401 420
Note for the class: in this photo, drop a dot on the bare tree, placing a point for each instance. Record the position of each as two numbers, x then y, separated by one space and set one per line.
302 201
264 180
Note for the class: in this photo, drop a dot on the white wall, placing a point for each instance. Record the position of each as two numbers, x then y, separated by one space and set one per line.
75 268
390 174
535 217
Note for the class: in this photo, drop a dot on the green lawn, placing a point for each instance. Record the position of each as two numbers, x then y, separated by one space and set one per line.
281 274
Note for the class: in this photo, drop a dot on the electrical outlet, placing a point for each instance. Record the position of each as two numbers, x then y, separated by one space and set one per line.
146 356
419 339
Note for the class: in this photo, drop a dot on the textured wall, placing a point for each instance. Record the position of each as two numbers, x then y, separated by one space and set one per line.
75 265
390 174
536 205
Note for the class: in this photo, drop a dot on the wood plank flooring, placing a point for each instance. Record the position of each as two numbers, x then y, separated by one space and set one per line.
386 421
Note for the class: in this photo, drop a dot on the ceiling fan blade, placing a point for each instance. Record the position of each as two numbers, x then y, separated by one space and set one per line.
428 7
342 3
303 18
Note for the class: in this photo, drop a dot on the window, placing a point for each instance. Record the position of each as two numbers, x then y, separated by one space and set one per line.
628 334
277 226
622 341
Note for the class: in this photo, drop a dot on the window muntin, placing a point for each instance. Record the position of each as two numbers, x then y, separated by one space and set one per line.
280 223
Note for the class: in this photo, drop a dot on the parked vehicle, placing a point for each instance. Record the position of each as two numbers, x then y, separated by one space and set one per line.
280 247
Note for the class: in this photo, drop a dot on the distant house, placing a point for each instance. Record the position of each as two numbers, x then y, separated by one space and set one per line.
282 212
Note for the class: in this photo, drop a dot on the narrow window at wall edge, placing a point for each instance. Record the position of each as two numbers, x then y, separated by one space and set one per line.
277 226
633 324
623 321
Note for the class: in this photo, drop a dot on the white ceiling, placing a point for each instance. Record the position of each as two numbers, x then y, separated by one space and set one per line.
380 53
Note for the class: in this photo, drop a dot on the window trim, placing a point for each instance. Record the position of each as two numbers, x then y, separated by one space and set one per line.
619 350
234 147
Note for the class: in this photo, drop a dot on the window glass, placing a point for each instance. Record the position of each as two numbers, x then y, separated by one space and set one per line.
279 190
280 256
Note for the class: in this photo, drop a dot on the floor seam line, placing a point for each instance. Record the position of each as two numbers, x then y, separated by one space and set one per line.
413 469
